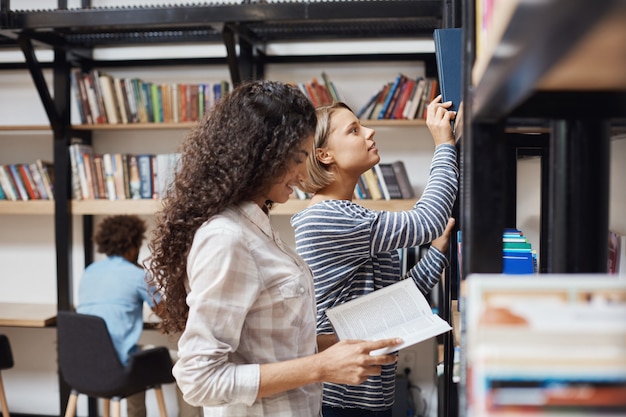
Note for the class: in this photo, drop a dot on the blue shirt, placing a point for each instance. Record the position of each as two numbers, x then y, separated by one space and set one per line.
115 289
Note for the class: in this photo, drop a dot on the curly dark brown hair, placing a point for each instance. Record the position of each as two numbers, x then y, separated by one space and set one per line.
236 153
116 235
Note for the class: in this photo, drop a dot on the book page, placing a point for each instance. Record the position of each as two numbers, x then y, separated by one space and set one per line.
398 310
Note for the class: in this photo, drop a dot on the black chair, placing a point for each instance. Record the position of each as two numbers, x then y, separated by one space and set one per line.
6 362
89 364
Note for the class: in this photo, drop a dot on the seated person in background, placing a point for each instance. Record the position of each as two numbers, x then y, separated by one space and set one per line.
115 289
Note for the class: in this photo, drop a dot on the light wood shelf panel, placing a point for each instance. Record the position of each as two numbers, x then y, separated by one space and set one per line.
37 207
149 207
293 206
25 128
111 207
136 126
188 125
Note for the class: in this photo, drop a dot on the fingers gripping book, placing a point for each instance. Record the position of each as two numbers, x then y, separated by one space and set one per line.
398 310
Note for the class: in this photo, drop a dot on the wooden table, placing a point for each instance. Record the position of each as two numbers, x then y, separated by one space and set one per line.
27 314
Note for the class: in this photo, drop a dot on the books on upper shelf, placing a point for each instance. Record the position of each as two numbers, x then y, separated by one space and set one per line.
23 182
320 93
549 345
397 310
117 176
103 99
402 98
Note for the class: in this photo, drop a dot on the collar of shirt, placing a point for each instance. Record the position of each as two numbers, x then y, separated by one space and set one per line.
260 219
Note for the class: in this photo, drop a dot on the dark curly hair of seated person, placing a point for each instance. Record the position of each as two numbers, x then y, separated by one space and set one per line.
234 154
116 235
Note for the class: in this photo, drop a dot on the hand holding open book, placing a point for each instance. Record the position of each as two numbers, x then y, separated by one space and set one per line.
398 310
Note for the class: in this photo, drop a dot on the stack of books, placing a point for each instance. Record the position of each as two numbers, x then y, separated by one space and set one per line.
518 256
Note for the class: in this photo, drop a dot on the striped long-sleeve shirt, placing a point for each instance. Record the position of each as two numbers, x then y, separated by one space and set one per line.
352 251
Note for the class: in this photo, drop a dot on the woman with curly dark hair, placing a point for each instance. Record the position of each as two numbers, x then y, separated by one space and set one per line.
242 299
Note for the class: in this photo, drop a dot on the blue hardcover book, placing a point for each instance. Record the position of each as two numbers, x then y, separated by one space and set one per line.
449 53
389 96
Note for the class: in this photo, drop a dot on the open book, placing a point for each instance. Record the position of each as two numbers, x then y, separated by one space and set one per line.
398 310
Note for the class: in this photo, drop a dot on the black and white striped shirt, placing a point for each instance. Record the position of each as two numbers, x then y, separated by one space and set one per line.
352 251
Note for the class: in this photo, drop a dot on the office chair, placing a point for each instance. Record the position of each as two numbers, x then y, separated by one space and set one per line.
89 364
6 362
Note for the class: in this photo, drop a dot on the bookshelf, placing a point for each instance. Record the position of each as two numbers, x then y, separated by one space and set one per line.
244 30
565 76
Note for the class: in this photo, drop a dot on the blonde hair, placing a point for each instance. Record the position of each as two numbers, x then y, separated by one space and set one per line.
319 173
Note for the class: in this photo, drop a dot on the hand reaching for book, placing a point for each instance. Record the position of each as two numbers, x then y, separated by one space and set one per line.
438 120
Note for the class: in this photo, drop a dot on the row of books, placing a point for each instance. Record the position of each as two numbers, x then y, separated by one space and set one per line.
22 182
104 99
549 345
385 181
117 176
404 98
320 93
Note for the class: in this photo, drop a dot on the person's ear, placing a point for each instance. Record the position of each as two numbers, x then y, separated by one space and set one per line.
323 156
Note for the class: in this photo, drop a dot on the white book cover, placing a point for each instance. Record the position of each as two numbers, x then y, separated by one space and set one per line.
398 310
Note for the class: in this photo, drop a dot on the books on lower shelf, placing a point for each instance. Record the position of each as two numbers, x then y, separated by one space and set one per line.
27 181
103 99
398 310
388 181
385 181
117 176
549 345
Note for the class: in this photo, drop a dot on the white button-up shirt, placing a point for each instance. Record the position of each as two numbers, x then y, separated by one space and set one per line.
250 302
